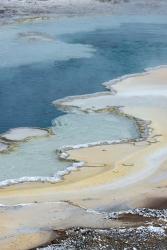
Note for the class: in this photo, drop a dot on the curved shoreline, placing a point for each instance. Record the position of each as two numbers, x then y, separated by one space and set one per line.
109 85
71 102
142 127
99 190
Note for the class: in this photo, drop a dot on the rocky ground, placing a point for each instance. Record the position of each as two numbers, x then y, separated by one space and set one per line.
143 229
151 238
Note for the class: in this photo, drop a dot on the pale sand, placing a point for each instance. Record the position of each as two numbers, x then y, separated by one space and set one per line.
124 175
36 224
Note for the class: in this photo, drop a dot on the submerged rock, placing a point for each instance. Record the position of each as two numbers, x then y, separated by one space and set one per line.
35 36
20 134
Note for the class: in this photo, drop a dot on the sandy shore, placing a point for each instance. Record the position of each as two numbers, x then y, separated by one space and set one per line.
126 175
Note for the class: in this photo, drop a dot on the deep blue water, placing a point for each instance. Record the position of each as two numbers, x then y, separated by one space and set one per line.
26 92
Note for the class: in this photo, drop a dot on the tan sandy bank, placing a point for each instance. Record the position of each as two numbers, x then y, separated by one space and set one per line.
32 225
142 96
115 176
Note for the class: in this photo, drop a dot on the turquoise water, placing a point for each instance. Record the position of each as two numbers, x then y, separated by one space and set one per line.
38 157
83 53
80 55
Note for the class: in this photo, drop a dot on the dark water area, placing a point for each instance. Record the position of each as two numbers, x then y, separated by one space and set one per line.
26 92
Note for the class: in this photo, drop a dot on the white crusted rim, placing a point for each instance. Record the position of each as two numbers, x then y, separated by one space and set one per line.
108 85
54 179
23 133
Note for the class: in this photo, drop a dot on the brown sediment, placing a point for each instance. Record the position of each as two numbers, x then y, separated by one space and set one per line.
135 219
130 238
156 203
